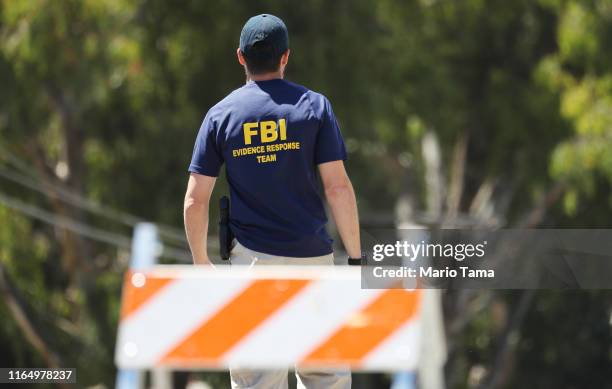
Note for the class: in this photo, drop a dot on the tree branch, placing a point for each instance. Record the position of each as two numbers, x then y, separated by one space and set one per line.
16 307
457 178
506 345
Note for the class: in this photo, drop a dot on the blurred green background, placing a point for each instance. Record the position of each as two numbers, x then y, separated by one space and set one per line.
455 113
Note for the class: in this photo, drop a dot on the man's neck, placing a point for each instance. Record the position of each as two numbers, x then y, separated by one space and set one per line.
264 77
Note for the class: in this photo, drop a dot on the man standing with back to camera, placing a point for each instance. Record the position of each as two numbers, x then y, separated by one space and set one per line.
272 135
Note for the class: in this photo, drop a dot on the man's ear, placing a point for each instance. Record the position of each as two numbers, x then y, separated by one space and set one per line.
285 57
240 57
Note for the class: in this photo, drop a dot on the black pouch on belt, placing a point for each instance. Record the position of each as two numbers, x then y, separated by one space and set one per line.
225 233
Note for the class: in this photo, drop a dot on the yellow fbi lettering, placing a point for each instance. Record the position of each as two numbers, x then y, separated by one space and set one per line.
267 131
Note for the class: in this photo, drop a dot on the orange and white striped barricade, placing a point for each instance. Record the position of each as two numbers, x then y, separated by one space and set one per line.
266 317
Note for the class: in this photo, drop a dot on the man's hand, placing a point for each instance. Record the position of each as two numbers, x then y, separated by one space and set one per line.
341 198
195 214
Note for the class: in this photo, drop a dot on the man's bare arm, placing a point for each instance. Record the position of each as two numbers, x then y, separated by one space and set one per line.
341 198
195 214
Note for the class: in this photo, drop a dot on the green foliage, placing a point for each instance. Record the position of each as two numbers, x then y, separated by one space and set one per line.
551 337
468 67
116 90
581 72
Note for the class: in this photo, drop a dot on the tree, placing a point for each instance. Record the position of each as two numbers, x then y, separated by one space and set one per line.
468 111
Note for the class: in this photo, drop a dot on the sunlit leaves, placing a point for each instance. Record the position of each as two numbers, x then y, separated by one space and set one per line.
578 40
582 74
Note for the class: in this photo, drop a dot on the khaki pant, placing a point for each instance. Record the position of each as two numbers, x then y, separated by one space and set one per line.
277 379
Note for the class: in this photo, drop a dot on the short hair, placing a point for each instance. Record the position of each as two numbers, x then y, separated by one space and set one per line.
262 58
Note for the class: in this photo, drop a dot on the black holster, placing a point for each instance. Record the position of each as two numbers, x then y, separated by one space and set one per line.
225 233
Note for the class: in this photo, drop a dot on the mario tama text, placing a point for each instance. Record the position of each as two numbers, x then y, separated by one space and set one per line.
427 260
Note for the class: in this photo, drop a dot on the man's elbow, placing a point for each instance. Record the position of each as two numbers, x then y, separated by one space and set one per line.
339 191
192 203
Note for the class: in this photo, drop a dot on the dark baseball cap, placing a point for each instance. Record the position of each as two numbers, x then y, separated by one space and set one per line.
264 28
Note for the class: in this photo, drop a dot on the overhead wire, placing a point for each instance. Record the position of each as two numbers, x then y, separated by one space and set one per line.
33 182
64 194
93 233
84 229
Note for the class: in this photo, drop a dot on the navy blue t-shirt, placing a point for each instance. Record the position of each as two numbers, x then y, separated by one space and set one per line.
271 135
